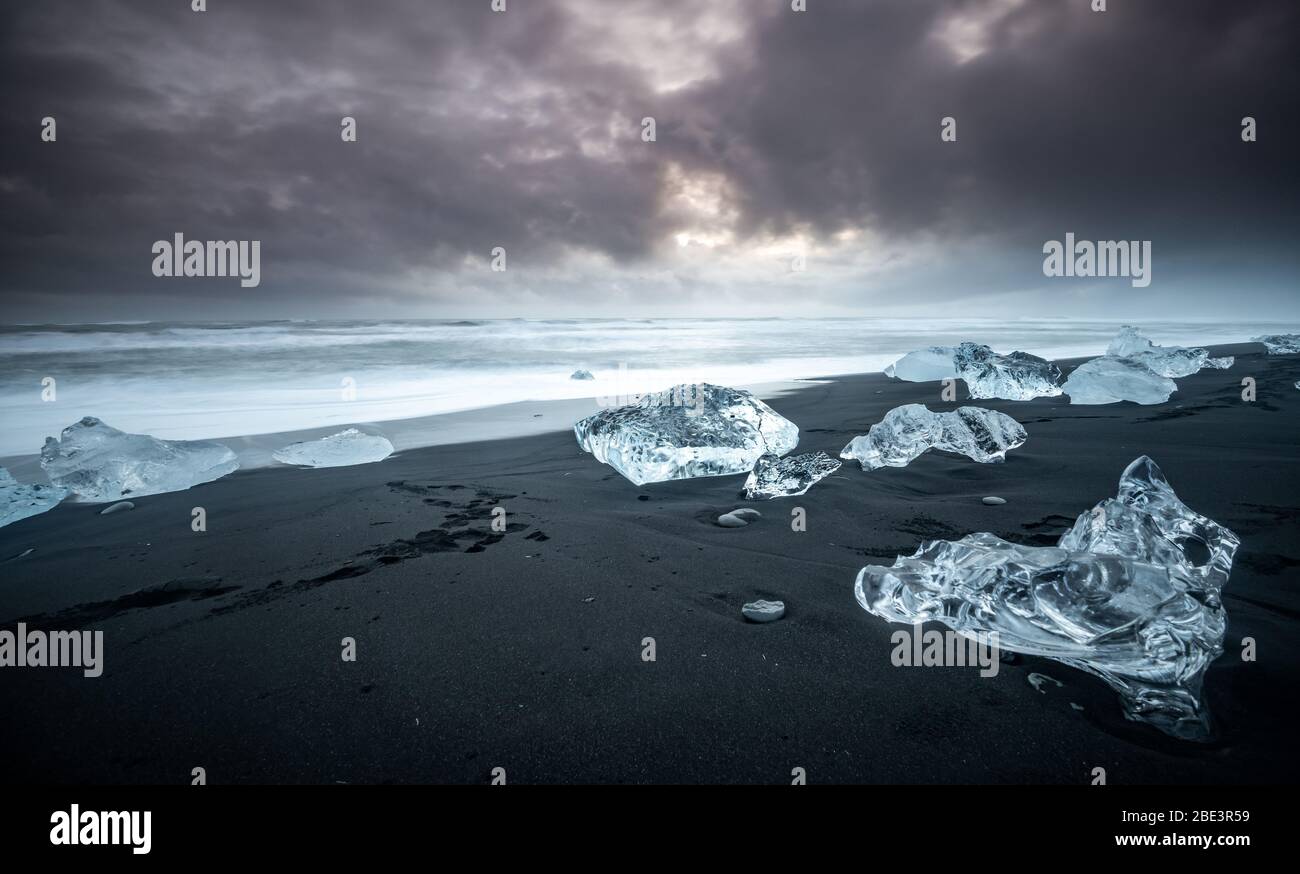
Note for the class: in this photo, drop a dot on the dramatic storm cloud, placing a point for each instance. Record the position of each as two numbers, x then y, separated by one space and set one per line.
783 140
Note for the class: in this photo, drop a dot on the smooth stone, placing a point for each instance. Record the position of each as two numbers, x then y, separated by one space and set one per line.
746 513
728 520
763 611
113 508
994 501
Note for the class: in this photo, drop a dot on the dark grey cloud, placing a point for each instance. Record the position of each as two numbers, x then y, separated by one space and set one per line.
479 129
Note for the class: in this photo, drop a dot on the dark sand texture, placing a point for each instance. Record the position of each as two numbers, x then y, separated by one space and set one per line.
523 650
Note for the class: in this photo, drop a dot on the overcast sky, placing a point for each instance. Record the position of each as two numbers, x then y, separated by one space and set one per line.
779 134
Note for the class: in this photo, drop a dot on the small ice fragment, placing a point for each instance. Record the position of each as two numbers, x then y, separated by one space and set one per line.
908 431
1076 706
20 500
746 513
1108 380
117 508
994 501
581 374
686 431
1131 593
731 520
338 450
100 463
763 611
1039 680
775 477
1280 344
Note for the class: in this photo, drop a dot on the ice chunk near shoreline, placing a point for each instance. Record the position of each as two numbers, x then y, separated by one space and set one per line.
99 463
908 431
1018 376
1164 360
1108 380
20 500
1280 344
686 431
343 449
581 374
1130 593
776 477
925 365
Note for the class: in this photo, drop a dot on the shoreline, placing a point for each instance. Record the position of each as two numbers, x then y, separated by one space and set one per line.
493 422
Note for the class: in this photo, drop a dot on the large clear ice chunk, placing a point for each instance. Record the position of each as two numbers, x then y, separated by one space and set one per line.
1280 344
100 463
20 500
1130 593
337 450
1164 360
1018 376
908 431
686 431
776 477
925 365
1108 380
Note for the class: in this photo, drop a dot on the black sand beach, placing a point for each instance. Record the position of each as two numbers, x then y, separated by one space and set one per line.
524 650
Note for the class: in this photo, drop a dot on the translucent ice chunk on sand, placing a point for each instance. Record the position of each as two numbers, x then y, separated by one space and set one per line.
1108 380
20 500
338 450
99 463
1130 593
1164 360
1280 344
775 477
925 365
908 431
686 431
1018 376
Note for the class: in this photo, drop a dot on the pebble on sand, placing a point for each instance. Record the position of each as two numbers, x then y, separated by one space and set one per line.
763 611
113 508
994 500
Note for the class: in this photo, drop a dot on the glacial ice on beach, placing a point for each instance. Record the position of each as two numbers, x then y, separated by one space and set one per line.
686 431
581 374
1280 344
1018 376
337 450
775 477
1108 380
100 463
925 365
20 500
908 431
1130 593
1163 360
